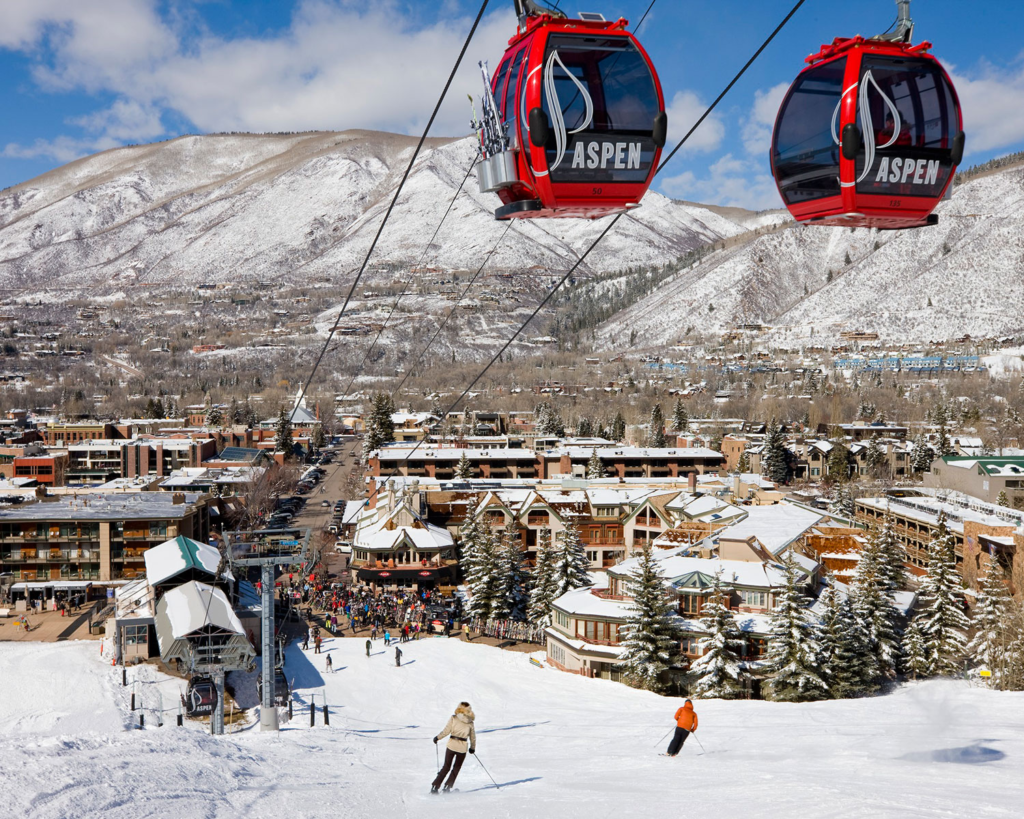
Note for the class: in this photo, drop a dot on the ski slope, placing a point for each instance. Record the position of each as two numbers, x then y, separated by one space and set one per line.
560 746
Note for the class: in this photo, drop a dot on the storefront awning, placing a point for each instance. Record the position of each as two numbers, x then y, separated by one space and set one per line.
420 574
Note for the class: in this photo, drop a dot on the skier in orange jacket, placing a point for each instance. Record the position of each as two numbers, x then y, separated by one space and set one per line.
686 724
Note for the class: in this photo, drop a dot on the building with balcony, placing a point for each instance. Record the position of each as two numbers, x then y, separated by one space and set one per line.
983 478
98 537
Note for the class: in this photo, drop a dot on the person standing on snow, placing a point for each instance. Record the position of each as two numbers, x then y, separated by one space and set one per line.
398 657
462 734
330 665
369 645
686 724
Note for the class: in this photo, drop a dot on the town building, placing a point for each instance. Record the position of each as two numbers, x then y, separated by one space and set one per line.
981 477
95 537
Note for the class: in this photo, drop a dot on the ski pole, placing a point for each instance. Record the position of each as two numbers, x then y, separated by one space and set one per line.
669 731
701 744
437 757
487 772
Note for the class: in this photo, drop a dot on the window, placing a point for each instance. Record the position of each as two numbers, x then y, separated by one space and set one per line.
804 154
926 125
624 103
556 652
136 635
562 619
592 556
754 599
688 645
690 604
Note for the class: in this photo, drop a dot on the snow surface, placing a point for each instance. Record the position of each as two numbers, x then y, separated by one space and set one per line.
560 745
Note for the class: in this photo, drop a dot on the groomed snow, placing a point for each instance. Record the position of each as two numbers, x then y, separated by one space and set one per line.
560 746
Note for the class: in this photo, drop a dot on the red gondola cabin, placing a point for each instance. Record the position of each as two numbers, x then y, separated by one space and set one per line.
580 119
869 135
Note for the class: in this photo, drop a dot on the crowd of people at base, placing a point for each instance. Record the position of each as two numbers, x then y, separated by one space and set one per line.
397 615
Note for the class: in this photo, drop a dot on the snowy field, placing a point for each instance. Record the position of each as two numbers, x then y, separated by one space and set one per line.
559 745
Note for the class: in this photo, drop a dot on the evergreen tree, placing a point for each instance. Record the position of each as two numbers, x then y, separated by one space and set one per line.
876 458
584 427
915 652
921 456
989 644
650 636
618 427
252 419
464 468
841 501
793 648
571 564
838 462
845 654
875 610
656 430
943 621
775 467
680 418
380 427
158 409
510 599
318 439
744 463
718 671
544 588
547 420
235 412
483 579
892 557
283 434
1002 499
470 533
214 416
595 469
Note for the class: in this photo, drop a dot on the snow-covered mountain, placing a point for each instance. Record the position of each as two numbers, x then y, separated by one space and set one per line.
963 276
292 208
305 207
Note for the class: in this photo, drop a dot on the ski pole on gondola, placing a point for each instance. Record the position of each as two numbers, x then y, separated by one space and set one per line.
487 772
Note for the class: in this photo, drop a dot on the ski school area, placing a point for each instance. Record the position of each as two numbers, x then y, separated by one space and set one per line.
556 745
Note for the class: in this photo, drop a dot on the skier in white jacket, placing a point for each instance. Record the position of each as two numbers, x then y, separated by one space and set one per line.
462 734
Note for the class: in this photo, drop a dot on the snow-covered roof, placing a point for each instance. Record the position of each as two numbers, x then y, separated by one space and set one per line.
172 557
429 538
194 605
584 603
580 645
634 452
775 527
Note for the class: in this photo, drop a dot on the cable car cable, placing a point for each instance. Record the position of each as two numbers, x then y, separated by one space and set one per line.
451 312
597 241
408 282
636 28
391 207
733 82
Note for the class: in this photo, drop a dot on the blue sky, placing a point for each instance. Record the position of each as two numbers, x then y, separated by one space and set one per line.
87 75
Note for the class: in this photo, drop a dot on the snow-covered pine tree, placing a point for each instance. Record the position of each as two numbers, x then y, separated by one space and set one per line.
510 599
618 427
990 641
845 654
656 430
584 427
775 467
680 418
718 670
650 642
483 579
571 564
838 463
915 652
921 456
380 428
876 458
1002 499
595 469
214 416
793 645
873 606
464 469
841 501
235 411
318 440
469 538
283 434
743 466
892 557
943 621
544 586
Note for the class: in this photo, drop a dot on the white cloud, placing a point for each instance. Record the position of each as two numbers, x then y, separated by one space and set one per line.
683 111
757 130
993 107
730 182
338 65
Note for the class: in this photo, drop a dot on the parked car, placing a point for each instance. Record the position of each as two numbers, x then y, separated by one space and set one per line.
326 503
